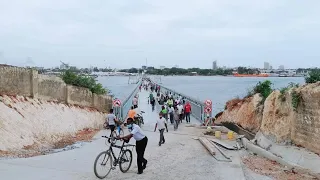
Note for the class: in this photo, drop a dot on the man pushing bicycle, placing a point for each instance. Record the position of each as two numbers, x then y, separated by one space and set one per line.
141 143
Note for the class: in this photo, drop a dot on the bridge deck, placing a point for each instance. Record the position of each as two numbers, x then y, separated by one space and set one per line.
181 157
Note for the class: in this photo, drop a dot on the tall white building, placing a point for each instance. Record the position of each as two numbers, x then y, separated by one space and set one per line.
281 67
214 65
266 65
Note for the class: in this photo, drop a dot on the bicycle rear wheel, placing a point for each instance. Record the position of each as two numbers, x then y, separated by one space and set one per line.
105 163
125 161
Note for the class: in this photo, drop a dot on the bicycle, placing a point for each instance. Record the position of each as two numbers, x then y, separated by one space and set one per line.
138 119
109 157
118 132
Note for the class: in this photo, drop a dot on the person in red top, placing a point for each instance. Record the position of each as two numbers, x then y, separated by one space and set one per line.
187 111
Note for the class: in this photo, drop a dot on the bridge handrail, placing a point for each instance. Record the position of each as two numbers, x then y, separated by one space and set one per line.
196 113
123 110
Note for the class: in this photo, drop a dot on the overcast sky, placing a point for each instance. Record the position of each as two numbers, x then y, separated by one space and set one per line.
188 33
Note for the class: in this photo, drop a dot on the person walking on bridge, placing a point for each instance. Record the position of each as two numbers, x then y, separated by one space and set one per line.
132 113
180 111
187 111
161 124
135 102
111 121
176 118
152 102
141 143
164 113
171 113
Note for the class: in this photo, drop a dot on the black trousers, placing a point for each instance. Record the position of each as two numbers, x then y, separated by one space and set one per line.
140 148
162 140
171 118
112 128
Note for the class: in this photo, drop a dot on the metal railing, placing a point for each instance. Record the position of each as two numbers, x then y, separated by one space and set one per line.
197 106
122 111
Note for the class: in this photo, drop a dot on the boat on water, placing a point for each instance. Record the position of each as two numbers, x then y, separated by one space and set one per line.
251 75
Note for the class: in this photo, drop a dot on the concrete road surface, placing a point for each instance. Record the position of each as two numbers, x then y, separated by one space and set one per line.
181 157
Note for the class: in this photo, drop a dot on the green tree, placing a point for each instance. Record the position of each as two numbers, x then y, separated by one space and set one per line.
133 70
264 88
313 76
95 69
69 77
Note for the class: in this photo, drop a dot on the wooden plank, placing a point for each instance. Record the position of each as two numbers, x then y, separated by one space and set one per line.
226 145
207 144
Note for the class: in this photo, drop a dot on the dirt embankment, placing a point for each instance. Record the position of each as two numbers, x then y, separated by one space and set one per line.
247 113
30 127
273 169
289 117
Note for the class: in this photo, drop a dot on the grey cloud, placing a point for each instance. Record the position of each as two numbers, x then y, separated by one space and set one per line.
190 33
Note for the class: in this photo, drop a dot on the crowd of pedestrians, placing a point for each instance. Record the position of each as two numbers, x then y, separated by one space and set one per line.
174 108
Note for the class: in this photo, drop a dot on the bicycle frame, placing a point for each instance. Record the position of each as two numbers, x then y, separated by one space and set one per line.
113 154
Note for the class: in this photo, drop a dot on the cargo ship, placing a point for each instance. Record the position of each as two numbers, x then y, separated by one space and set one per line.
250 75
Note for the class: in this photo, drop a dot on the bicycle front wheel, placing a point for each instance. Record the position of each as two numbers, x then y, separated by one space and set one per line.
103 165
125 161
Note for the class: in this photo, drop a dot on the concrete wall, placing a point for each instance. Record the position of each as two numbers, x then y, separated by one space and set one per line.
14 80
51 88
27 82
80 96
102 102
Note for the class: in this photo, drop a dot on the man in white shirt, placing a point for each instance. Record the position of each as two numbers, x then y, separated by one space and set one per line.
180 111
141 143
161 124
111 120
171 113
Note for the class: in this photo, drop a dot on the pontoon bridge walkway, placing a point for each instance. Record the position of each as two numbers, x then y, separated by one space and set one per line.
181 157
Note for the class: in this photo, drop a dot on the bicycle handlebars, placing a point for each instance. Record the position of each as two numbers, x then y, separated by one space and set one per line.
127 145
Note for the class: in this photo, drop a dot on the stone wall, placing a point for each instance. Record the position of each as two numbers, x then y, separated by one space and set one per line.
27 82
14 80
306 125
278 114
279 121
243 112
51 88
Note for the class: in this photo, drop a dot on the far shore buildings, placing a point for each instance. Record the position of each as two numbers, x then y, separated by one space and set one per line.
214 65
281 67
266 65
